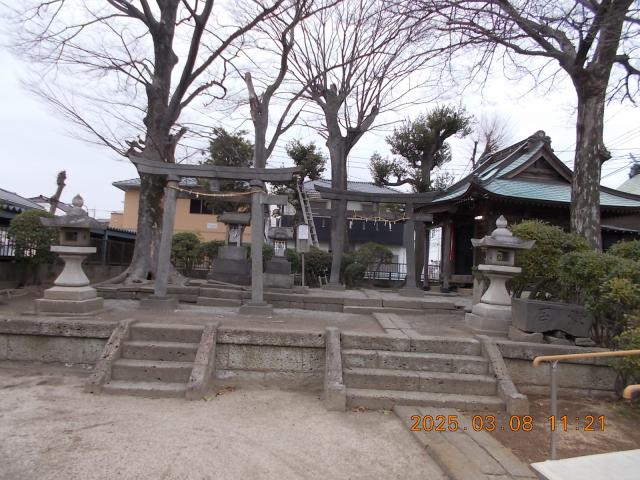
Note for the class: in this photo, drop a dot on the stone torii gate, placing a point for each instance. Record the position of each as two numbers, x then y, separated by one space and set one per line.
256 178
409 200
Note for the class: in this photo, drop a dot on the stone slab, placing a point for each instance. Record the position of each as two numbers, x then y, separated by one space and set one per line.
57 327
278 280
375 342
70 293
232 252
219 302
288 338
71 307
278 266
263 309
537 316
362 302
518 335
158 303
486 324
411 292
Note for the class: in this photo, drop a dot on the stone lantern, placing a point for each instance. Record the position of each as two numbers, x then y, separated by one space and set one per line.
277 272
232 264
71 293
493 313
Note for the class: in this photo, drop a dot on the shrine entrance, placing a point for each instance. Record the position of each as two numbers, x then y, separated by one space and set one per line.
256 177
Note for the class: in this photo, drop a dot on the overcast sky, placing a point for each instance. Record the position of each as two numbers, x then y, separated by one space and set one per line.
36 142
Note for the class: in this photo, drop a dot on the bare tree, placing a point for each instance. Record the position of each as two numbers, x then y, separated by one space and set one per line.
490 133
355 59
123 55
586 39
53 201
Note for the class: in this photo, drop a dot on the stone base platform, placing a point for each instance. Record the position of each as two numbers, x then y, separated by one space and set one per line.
69 307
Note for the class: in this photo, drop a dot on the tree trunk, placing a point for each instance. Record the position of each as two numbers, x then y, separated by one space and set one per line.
590 154
338 155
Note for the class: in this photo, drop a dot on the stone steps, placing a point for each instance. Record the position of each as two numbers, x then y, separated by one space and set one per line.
156 360
168 351
146 389
438 362
422 381
387 399
419 343
130 370
166 332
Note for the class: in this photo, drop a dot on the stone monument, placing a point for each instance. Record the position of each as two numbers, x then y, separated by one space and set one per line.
492 314
232 265
71 293
277 272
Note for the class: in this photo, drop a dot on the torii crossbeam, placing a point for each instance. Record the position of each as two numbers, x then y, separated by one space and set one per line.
409 200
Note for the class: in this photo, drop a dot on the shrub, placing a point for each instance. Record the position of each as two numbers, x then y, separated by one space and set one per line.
608 286
629 250
209 250
628 368
33 240
267 253
316 263
540 263
293 258
368 257
186 250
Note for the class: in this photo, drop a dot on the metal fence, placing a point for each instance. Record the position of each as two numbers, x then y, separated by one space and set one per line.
7 243
111 251
398 271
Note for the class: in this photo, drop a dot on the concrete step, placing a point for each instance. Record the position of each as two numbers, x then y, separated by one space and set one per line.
411 380
420 343
167 351
446 345
369 310
433 362
166 332
151 371
146 389
219 302
227 293
386 399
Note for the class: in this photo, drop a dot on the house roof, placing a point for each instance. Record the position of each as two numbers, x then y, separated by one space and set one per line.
632 184
361 187
529 170
13 202
40 199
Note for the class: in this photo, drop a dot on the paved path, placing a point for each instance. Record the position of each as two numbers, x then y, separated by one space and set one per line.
461 452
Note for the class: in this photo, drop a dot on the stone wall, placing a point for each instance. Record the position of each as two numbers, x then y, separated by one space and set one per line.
579 377
58 340
285 359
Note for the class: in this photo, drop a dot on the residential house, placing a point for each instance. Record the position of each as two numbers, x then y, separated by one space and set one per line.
193 212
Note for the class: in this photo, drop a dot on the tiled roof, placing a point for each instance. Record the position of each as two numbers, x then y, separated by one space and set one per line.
13 201
631 185
134 183
492 175
361 187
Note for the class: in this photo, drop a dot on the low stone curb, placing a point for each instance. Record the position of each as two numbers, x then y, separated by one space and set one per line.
516 402
111 352
335 393
204 364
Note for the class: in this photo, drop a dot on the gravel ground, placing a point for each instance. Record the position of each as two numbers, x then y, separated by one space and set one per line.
50 429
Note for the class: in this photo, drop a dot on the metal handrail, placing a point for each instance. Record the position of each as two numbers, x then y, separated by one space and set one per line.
630 390
553 364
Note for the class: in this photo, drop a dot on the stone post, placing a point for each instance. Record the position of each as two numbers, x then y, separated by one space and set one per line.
257 305
159 298
410 289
